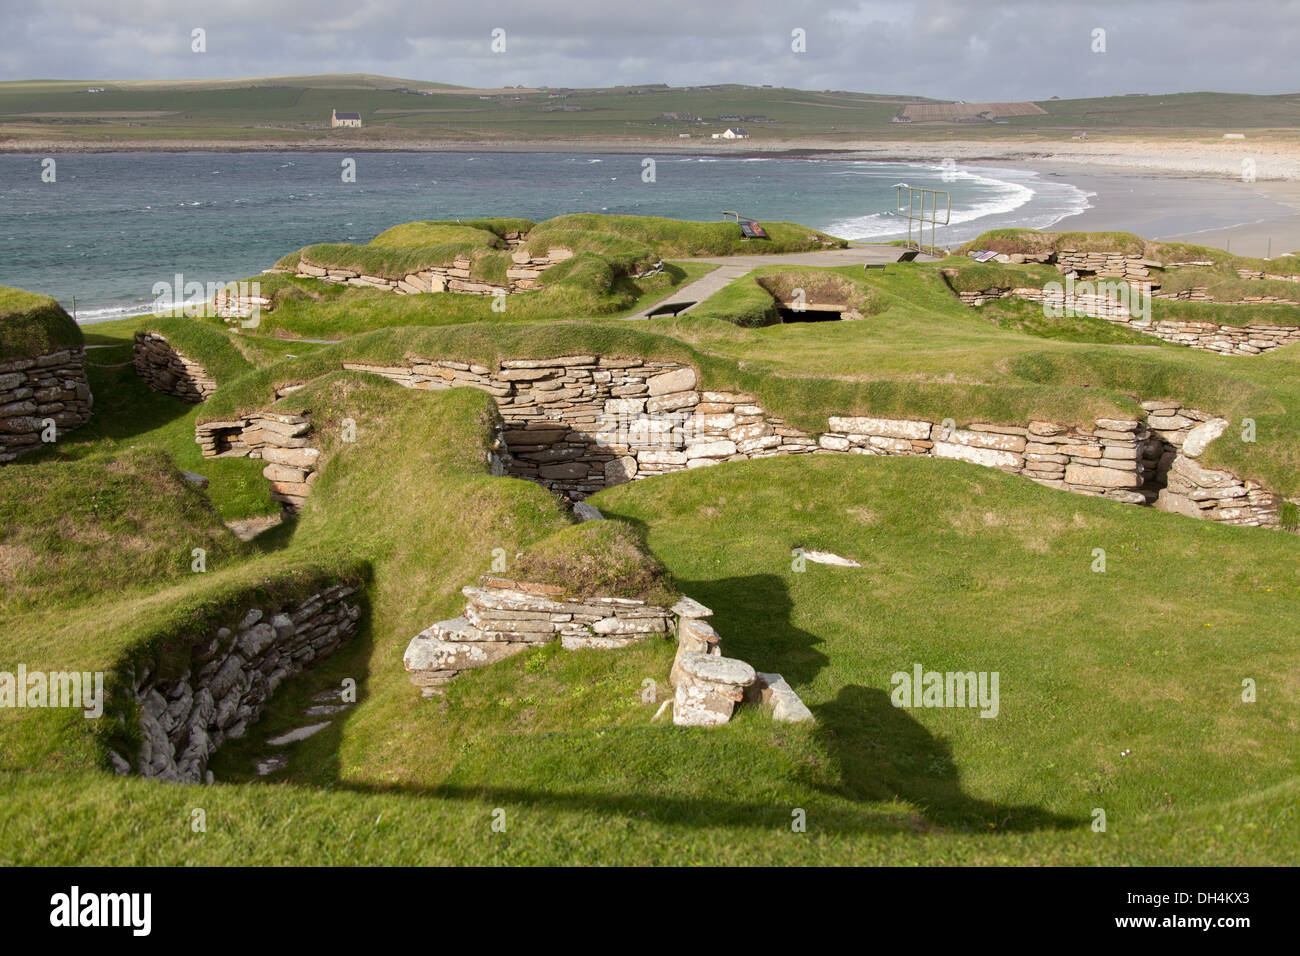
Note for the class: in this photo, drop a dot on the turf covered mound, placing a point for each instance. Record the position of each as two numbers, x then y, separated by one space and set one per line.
32 324
1037 243
679 238
59 521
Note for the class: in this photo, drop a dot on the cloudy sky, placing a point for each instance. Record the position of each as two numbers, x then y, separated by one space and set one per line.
971 50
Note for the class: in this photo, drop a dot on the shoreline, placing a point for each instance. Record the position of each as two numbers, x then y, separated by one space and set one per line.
1261 218
1274 159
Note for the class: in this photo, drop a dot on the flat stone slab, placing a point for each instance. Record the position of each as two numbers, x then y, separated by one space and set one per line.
269 765
786 706
1199 437
297 734
827 557
718 670
325 710
689 607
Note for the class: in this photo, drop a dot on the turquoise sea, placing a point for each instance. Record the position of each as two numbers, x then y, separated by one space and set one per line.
114 224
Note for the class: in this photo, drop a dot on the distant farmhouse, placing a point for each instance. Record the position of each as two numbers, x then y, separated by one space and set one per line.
338 119
732 132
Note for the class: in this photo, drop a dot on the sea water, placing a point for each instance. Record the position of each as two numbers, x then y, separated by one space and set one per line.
112 225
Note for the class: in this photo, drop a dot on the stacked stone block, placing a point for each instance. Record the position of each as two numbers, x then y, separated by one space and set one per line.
503 617
41 396
229 679
521 275
278 439
167 370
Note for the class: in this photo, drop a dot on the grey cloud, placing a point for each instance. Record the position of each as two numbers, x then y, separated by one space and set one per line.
961 50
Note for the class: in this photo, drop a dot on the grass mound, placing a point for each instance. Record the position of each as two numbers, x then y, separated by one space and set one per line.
679 238
1036 242
60 522
1222 283
205 343
596 559
31 324
967 275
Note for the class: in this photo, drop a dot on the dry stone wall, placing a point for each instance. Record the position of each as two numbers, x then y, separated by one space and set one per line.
167 370
503 617
1249 339
40 391
1187 487
580 423
521 276
230 677
1112 264
280 440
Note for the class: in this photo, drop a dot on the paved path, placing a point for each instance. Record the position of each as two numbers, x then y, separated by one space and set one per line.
731 268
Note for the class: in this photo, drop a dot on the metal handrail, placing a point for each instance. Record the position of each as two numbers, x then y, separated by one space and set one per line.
923 215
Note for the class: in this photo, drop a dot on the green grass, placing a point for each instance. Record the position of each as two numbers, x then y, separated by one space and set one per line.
59 523
678 238
295 111
32 324
1119 690
563 743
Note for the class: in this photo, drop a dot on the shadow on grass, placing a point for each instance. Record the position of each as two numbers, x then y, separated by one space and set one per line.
124 405
882 754
315 760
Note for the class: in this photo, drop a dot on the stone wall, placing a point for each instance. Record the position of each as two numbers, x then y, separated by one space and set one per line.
230 677
279 440
521 275
1188 488
36 391
1254 274
1249 339
167 370
503 617
1115 265
578 424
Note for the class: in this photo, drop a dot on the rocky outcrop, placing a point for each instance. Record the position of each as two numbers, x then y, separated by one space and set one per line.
41 397
521 275
165 369
229 679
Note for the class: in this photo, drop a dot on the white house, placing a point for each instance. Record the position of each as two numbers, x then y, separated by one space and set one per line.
732 132
345 119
